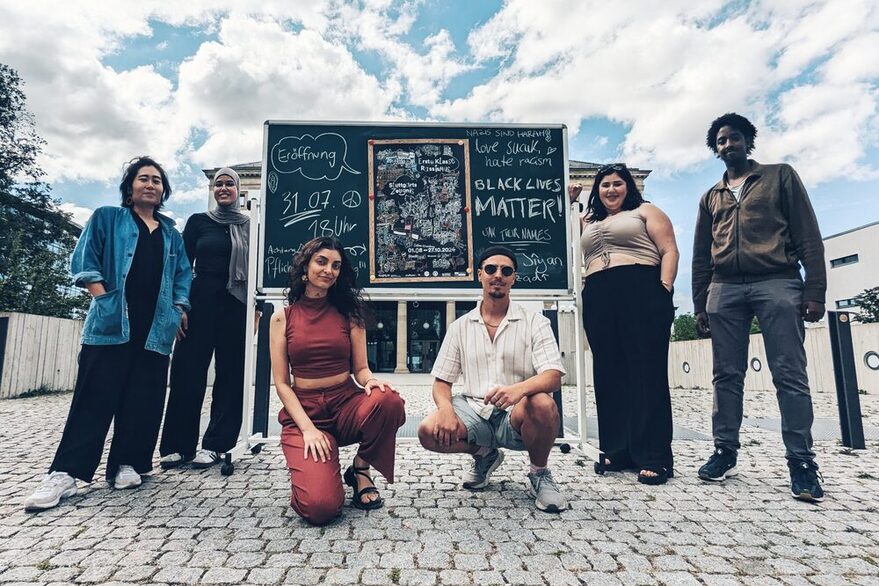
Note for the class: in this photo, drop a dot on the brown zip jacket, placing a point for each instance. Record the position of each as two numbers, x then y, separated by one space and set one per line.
767 234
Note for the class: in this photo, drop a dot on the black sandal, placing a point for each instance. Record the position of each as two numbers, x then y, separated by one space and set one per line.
662 476
357 500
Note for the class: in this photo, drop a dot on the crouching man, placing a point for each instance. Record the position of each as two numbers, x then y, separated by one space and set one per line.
511 365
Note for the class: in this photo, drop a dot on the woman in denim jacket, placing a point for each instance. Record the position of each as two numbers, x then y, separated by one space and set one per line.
132 261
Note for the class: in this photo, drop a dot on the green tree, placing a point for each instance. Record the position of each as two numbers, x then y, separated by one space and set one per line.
869 304
36 238
684 328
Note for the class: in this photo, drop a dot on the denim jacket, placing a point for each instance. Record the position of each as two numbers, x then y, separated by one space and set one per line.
104 254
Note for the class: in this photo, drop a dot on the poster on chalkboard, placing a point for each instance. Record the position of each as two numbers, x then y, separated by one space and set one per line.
415 203
420 229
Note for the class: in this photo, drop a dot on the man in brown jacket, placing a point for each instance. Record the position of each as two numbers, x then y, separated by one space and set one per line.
755 229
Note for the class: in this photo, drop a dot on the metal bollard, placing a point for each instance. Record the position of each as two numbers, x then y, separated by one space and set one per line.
553 316
850 422
262 380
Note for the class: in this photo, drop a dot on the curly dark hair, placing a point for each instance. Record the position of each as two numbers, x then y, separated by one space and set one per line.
740 123
131 170
344 295
595 210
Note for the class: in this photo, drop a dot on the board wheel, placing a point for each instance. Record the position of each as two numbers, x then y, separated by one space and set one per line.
599 468
256 449
227 469
565 448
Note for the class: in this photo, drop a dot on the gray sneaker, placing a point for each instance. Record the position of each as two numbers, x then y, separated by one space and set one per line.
547 495
54 487
481 469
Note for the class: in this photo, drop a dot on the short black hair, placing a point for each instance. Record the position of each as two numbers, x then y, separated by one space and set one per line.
494 250
740 123
132 168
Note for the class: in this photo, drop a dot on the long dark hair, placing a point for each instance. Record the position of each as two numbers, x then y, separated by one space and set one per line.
344 295
595 210
132 168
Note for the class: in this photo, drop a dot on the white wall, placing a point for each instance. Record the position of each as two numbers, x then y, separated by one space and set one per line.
847 281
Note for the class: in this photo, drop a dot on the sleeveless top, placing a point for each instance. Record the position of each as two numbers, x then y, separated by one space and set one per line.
318 339
625 233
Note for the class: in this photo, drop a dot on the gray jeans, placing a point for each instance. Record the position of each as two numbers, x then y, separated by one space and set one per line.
776 303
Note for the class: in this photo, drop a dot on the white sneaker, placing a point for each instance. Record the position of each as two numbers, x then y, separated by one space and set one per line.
126 477
54 487
205 459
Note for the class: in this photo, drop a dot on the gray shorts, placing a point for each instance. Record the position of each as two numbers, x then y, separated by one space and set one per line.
496 432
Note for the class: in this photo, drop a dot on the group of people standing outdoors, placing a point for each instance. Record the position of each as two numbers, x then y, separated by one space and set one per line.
755 230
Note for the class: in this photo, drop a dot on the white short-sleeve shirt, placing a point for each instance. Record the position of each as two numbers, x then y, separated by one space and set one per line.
523 346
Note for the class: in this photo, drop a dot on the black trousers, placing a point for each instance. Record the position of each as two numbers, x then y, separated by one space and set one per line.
122 383
216 325
627 314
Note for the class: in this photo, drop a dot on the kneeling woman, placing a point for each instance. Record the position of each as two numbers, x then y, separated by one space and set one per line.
320 336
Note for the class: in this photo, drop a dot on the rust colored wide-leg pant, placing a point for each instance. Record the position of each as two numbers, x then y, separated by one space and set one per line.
348 416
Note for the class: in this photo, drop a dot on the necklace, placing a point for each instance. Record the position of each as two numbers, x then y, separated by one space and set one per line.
740 181
492 325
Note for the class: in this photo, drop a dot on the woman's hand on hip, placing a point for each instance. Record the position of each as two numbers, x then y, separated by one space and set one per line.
317 443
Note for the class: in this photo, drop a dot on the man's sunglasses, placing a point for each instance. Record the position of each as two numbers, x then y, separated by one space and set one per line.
492 269
611 167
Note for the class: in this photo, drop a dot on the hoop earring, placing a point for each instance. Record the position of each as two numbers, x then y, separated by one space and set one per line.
128 200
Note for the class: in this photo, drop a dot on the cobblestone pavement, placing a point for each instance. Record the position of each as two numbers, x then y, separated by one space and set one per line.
187 526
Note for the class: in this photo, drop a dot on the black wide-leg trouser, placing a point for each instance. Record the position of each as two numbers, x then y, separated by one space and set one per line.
627 314
216 327
125 384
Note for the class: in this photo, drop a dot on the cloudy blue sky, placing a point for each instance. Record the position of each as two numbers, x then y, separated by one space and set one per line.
638 81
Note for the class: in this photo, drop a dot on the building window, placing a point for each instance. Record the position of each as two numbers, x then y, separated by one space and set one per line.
845 260
844 303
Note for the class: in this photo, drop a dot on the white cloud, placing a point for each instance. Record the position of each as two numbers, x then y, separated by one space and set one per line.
258 70
805 72
80 214
665 70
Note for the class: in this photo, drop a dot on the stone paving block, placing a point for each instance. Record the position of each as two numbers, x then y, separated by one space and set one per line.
720 579
677 579
134 573
179 575
265 575
375 577
223 576
304 576
637 578
418 578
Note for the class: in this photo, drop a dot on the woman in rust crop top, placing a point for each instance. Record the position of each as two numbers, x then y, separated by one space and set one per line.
320 337
631 260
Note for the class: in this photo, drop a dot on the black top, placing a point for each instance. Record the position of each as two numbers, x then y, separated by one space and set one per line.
209 246
144 280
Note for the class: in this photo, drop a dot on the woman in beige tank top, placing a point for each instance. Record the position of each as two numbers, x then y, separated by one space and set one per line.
631 261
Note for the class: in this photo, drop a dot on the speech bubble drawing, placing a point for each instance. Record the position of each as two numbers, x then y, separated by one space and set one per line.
315 157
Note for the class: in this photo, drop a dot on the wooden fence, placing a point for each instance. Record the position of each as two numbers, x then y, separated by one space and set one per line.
37 353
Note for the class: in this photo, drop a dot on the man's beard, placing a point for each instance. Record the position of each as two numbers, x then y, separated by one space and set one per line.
497 293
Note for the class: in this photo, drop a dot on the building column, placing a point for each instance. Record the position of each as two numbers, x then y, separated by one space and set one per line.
450 313
402 338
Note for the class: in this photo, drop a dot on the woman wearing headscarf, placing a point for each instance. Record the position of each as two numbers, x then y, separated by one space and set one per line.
132 261
217 244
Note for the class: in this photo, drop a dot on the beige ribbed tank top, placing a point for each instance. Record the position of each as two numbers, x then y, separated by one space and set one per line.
624 233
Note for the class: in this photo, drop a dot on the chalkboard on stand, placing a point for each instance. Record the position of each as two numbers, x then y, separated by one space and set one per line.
414 204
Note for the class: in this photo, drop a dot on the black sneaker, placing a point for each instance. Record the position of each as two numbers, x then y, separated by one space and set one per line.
721 465
805 482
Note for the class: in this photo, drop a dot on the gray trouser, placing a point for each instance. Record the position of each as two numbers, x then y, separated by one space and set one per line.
776 303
